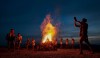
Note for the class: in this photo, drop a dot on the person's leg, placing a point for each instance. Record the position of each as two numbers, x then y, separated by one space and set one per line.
8 44
80 42
66 45
14 45
89 45
60 45
18 45
32 46
26 46
72 46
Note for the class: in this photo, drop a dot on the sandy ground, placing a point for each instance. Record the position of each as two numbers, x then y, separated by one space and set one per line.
60 53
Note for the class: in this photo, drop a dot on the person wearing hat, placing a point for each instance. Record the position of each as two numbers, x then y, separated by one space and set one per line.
83 33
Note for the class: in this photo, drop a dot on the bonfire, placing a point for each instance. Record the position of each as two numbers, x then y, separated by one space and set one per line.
49 32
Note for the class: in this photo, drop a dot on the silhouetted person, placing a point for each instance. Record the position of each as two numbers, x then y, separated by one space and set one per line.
27 43
55 44
83 32
11 39
72 43
61 42
67 43
18 40
33 43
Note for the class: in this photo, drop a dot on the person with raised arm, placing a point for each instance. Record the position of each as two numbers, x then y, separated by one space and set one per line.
83 25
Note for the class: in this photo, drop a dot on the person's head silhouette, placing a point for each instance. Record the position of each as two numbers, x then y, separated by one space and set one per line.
84 20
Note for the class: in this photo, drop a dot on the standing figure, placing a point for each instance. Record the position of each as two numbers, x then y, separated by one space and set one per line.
27 43
33 43
55 44
61 42
11 39
67 43
72 43
83 33
18 40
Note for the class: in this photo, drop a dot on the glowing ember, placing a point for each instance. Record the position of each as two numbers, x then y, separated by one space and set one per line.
48 30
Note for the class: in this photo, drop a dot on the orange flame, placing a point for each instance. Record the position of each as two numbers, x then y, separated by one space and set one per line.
48 30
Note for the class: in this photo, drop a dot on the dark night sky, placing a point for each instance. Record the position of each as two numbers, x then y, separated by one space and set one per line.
26 16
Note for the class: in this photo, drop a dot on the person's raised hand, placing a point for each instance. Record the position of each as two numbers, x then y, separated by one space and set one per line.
75 19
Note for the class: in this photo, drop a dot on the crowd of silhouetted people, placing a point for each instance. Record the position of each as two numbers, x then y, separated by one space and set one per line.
14 42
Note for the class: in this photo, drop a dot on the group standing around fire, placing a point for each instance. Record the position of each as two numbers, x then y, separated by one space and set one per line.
14 41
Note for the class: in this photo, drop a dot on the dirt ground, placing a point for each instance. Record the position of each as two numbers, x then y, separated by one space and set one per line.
60 53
